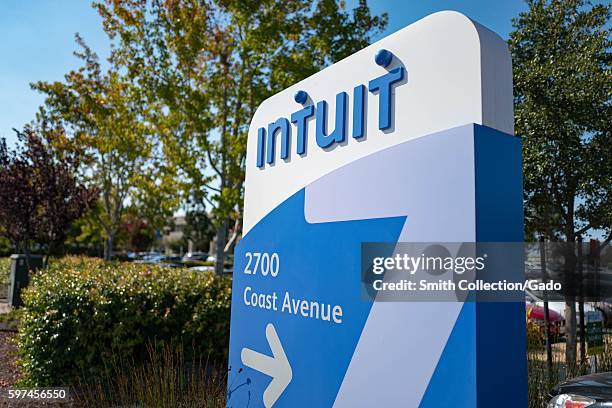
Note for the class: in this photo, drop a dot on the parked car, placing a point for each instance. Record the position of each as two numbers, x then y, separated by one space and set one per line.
144 256
202 268
209 269
592 391
195 256
535 314
162 260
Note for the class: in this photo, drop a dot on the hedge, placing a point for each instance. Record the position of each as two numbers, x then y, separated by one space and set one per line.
81 312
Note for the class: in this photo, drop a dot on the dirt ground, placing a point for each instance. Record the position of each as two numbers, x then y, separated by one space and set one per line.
9 371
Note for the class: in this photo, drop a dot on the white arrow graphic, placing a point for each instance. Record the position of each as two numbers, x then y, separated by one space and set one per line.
276 366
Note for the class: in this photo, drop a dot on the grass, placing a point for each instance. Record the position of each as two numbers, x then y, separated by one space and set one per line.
165 379
539 380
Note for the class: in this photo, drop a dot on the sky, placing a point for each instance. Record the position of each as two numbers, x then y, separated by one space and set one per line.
38 41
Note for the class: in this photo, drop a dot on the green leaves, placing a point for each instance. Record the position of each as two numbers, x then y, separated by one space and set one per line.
166 125
204 67
106 118
81 311
562 85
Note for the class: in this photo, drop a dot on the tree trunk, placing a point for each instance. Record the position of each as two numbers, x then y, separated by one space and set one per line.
46 257
581 305
222 230
108 245
235 234
570 310
546 310
220 246
28 255
570 336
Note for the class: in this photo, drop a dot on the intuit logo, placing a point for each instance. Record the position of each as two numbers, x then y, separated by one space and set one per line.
266 138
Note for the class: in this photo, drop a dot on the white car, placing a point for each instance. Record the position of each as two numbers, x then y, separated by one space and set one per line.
202 268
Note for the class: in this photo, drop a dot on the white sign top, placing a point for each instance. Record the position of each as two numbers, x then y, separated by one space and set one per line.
451 67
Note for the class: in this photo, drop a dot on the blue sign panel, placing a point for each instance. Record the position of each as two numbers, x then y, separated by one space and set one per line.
300 282
298 311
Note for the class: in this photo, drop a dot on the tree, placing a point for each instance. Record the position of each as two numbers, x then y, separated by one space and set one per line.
205 66
561 58
20 201
140 235
198 229
6 246
63 198
103 116
40 196
84 234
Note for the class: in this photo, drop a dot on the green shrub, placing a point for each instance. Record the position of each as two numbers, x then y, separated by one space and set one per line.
80 312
